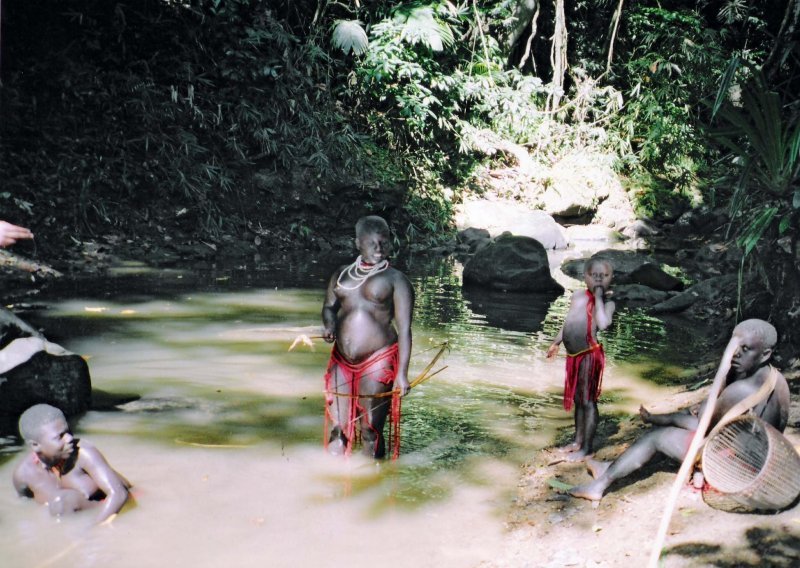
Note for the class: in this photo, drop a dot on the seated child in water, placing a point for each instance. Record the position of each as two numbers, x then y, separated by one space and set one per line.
589 311
60 473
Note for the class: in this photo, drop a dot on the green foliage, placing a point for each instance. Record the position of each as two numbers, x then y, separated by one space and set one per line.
507 101
125 112
673 64
158 104
763 142
767 144
428 96
410 93
420 25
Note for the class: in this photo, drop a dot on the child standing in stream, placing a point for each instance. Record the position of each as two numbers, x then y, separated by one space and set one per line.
589 311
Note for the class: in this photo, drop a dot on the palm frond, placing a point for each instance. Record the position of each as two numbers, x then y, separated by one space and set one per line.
755 229
757 134
420 25
349 35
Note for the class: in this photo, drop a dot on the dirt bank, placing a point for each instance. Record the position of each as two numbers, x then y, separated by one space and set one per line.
549 529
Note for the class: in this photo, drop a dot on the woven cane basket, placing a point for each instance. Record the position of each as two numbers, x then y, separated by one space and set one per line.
749 465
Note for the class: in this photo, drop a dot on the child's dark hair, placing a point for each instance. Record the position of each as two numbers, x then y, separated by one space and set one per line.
371 224
587 266
32 420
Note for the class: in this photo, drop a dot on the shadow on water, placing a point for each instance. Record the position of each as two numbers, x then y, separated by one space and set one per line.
513 311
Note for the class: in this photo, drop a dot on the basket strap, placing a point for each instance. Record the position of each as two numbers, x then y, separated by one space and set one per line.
748 402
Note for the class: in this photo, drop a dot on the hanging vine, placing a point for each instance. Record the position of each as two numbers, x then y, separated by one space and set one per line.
558 55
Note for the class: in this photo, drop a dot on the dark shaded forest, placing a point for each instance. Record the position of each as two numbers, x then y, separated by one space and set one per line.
284 121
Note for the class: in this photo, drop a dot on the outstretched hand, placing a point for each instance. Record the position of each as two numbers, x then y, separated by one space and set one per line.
10 234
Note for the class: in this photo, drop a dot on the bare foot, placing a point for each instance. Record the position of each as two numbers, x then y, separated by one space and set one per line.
645 414
569 448
596 467
588 492
337 446
578 456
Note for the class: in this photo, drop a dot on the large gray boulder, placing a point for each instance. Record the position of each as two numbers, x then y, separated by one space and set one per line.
637 294
34 370
513 263
499 217
712 291
575 187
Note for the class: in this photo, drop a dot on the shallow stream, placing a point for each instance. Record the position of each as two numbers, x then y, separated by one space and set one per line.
222 437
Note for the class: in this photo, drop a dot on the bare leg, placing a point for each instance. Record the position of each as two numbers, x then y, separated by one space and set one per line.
374 410
682 419
592 416
670 441
577 442
339 409
373 421
581 417
586 415
580 423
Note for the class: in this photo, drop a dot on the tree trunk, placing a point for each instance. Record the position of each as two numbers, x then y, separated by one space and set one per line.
523 14
612 36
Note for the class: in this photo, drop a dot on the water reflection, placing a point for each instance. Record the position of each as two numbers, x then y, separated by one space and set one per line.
227 426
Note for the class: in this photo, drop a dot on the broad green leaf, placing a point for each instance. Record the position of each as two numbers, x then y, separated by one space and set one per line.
725 84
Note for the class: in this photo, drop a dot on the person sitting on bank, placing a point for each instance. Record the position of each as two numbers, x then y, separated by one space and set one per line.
367 313
674 432
62 474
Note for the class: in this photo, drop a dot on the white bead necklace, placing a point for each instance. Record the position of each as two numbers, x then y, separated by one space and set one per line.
359 274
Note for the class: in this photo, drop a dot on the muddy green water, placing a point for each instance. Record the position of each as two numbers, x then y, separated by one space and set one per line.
223 441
